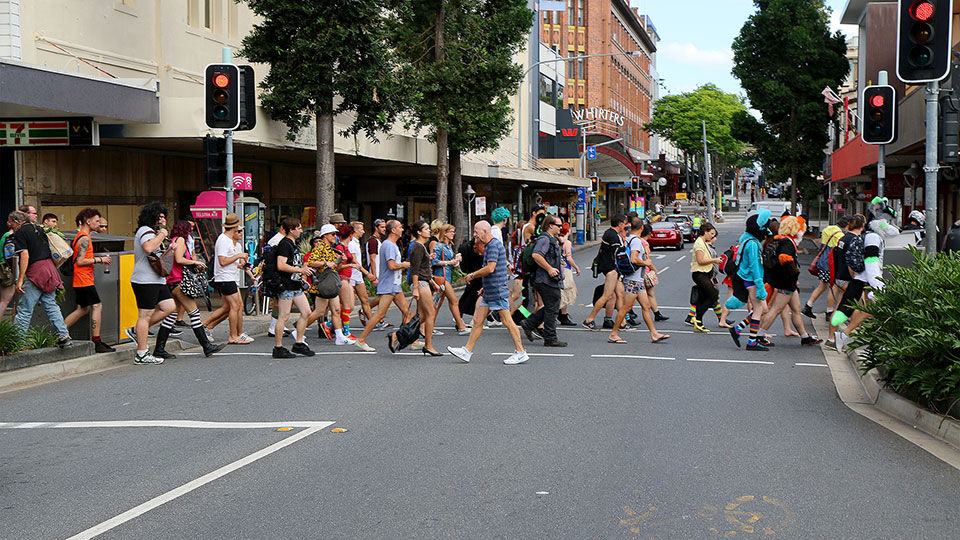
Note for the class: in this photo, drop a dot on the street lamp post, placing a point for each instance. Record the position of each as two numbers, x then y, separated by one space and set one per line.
470 195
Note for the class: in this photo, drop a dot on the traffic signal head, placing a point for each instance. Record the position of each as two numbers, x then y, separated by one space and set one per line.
923 40
635 183
221 96
879 114
594 183
215 151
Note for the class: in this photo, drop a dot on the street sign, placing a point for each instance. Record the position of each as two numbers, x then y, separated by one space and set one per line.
49 132
680 196
480 206
591 152
242 181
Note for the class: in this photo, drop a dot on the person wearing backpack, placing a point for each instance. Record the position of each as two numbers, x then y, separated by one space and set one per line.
548 281
606 266
634 285
784 280
88 301
828 241
748 280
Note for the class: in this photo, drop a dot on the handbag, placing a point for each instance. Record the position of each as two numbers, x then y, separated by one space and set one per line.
650 279
694 295
813 265
440 280
162 261
327 284
193 282
408 333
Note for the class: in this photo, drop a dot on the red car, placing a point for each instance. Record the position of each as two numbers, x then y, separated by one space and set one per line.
666 234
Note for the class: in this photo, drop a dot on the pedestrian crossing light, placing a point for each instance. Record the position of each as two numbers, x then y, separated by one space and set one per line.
221 101
923 40
880 120
215 150
635 183
594 183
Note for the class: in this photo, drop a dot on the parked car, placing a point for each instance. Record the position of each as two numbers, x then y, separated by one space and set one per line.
775 191
666 234
686 225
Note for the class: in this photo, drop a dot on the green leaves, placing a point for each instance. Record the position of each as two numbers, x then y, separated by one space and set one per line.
679 117
913 336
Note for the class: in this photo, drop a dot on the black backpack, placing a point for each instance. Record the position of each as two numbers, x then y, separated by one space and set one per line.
769 258
272 285
728 261
527 264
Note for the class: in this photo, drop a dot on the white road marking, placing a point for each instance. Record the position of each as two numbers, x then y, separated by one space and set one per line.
810 365
639 357
681 258
659 256
662 270
729 361
192 424
136 511
534 354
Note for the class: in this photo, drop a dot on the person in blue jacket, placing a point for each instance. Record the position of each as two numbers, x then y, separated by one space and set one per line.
748 286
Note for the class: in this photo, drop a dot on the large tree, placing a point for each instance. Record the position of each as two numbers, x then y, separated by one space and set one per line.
784 57
679 117
326 57
458 55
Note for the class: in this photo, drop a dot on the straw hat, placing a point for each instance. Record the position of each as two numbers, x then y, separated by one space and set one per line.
231 221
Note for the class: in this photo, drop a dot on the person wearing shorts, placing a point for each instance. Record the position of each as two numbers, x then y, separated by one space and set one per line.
634 288
154 301
291 270
748 286
228 258
357 274
88 301
388 288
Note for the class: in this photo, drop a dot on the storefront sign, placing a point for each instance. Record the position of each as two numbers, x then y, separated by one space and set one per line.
591 114
680 196
242 181
48 132
480 206
638 205
200 214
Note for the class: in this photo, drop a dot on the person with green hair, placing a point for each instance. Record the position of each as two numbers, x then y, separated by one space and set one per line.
500 216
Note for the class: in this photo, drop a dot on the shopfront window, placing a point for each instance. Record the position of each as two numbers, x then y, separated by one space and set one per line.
546 89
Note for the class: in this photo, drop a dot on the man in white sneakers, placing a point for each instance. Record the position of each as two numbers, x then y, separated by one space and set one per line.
496 296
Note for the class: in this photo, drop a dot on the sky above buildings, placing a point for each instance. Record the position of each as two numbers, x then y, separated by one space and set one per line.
696 38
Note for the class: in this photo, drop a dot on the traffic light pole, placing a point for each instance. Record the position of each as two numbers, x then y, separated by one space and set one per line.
706 161
226 56
931 167
882 150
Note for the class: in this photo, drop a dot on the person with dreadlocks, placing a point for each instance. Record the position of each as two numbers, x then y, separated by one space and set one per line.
748 286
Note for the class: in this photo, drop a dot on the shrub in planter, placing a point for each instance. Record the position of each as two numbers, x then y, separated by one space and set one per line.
11 338
40 337
913 336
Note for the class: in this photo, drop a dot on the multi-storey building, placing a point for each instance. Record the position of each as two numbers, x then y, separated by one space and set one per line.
610 97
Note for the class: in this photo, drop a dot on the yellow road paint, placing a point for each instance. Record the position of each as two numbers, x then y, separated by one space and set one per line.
285 429
338 430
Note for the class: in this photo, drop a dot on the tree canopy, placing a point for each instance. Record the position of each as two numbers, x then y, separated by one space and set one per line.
784 57
678 118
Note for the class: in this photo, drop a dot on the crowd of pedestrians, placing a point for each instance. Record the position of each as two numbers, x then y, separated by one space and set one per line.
523 281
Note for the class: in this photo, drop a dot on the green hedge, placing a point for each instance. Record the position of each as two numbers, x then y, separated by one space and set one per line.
913 337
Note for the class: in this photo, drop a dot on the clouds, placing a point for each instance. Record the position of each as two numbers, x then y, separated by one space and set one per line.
689 54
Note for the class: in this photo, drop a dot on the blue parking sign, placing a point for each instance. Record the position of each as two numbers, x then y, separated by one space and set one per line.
591 152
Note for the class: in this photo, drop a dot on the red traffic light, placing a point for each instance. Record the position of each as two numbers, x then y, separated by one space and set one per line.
220 80
921 10
877 101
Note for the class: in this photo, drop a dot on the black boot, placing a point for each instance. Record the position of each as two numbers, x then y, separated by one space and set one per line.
208 346
657 316
158 349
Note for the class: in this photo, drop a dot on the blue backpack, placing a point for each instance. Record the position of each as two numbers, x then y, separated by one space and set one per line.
621 259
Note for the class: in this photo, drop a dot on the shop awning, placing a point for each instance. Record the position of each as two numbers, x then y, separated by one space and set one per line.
28 91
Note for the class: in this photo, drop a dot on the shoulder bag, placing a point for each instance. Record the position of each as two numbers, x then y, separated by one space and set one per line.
441 280
161 260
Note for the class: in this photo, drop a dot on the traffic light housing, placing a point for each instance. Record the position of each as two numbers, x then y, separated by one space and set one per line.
923 40
594 183
221 96
635 183
879 114
215 150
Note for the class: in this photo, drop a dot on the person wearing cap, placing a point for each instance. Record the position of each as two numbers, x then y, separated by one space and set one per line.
229 258
325 257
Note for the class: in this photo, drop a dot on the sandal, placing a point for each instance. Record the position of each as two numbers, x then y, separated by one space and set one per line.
618 340
661 338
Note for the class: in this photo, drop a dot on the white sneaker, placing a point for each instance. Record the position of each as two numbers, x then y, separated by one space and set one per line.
364 347
244 337
146 359
516 358
492 324
841 339
345 341
437 333
294 334
464 332
461 353
208 333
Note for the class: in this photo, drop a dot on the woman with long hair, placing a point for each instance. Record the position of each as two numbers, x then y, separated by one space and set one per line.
154 302
421 283
185 262
784 280
443 263
569 294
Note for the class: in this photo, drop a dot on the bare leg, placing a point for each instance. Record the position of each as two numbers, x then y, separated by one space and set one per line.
382 306
75 315
644 300
622 309
283 308
609 292
303 306
361 290
144 316
479 316
427 314
6 295
512 328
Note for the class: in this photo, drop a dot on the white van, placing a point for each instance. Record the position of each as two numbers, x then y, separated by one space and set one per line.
776 208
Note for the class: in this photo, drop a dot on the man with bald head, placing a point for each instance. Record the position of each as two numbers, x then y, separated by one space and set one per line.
388 286
496 296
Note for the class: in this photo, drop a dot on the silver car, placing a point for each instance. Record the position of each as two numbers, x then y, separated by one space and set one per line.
685 223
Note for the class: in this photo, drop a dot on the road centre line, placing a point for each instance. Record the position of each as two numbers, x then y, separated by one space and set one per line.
192 424
681 258
638 357
141 509
662 270
729 361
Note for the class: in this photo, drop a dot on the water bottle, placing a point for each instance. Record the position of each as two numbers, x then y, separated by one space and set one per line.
106 267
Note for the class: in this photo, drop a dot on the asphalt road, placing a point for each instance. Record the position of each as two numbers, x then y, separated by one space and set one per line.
592 441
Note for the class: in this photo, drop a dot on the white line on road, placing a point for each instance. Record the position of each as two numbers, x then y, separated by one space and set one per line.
729 361
136 511
534 354
193 424
681 258
632 356
662 270
810 365
659 256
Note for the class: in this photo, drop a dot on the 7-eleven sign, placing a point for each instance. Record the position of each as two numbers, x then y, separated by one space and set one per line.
30 133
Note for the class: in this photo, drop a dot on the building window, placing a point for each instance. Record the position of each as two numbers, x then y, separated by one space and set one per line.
207 14
570 12
546 89
571 66
580 71
232 24
579 12
559 95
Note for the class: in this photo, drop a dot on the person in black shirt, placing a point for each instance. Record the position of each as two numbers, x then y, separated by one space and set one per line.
548 280
612 288
291 270
843 274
